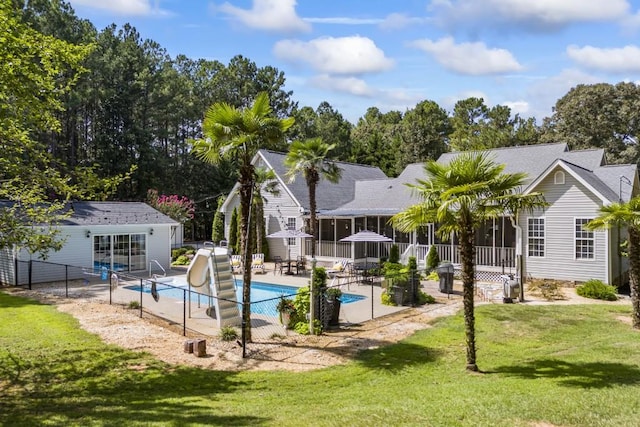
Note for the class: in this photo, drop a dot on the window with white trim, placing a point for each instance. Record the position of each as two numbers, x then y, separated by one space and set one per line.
291 225
535 234
585 241
558 177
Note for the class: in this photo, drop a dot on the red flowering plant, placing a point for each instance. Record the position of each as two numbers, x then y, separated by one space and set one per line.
178 208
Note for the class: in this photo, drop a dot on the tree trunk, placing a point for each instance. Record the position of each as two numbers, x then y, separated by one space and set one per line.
312 206
246 187
634 275
467 250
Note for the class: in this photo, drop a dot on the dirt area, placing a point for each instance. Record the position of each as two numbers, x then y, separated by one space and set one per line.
123 327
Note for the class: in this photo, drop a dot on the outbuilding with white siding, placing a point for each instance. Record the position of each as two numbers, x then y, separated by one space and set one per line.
120 236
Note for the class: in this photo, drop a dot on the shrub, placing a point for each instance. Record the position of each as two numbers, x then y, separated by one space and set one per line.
425 298
175 253
182 260
228 333
387 299
433 276
134 304
433 259
547 289
596 289
394 254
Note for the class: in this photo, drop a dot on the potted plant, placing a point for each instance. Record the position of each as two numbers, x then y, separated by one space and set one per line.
285 308
333 299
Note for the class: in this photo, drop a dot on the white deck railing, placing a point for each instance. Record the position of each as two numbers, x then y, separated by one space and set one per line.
485 255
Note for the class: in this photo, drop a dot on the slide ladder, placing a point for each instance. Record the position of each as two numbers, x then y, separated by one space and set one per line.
210 273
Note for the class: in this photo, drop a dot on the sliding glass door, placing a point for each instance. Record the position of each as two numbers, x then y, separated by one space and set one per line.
120 252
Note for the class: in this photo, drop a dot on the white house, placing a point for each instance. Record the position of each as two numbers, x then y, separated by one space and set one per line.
553 243
290 208
121 236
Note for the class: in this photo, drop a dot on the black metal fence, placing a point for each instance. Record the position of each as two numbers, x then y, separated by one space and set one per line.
184 308
193 313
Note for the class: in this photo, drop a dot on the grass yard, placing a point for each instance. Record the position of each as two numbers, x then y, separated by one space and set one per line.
542 366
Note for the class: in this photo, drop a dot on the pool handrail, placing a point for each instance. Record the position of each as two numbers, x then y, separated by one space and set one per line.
155 261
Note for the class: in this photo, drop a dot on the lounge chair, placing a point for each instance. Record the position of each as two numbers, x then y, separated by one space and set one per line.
257 263
338 267
236 264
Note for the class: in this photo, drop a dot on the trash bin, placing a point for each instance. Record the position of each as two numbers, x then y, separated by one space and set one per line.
398 295
510 288
445 273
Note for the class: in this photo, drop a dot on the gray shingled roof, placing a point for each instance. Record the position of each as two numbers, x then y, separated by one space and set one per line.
328 195
108 213
530 159
386 197
610 176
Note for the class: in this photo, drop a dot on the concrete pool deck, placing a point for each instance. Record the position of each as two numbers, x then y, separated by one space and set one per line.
197 319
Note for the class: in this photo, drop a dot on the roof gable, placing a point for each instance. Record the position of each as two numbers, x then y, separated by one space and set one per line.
328 195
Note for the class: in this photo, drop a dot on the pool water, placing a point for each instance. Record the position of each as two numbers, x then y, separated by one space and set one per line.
264 296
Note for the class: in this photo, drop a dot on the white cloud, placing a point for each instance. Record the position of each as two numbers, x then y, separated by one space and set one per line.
270 15
339 20
398 21
615 60
544 94
469 58
121 7
335 55
539 14
351 85
631 23
518 107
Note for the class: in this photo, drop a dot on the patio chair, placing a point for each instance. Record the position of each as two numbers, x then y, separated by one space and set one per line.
236 264
277 264
257 263
301 265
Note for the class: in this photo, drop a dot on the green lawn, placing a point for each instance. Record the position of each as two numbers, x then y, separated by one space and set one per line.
542 365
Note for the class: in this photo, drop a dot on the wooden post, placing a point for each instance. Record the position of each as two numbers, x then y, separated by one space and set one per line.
200 348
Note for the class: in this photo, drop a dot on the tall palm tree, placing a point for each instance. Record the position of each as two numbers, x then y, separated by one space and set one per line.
625 215
460 196
310 158
238 134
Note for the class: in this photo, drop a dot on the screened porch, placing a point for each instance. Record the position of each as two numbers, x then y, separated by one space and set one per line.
495 241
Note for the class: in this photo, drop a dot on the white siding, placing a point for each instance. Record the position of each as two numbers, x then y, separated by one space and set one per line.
277 210
7 267
567 201
78 250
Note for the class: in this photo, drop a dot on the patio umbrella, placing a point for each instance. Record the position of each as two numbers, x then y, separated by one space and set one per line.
289 234
367 236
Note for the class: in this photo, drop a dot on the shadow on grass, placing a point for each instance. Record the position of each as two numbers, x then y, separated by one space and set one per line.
581 375
398 356
108 386
11 298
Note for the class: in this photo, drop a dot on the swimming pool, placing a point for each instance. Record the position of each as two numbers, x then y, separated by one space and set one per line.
260 291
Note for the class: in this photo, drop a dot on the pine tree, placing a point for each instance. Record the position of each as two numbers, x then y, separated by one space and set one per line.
233 232
432 258
217 228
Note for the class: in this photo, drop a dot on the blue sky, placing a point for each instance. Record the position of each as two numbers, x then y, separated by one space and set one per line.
357 54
